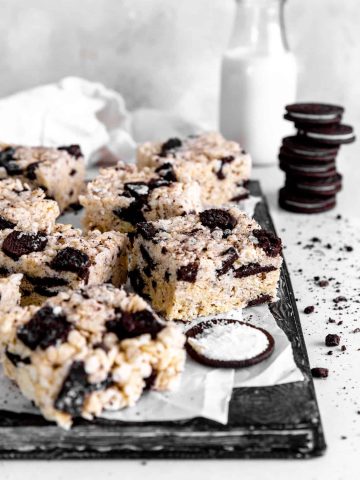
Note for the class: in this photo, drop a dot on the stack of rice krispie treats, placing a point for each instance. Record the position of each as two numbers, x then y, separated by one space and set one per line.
169 228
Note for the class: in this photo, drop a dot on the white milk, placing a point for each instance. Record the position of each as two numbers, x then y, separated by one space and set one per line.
258 79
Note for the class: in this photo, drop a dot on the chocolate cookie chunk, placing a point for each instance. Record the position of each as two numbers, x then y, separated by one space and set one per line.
4 224
18 243
73 150
188 273
171 144
71 260
130 325
217 218
46 327
269 242
76 386
8 161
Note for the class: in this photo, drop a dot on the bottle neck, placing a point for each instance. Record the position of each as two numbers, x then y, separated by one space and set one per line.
259 26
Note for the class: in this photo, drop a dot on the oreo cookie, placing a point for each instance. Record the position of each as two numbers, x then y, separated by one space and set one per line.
305 203
314 113
322 187
329 134
300 168
228 343
298 146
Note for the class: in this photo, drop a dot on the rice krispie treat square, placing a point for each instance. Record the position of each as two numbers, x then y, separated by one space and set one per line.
62 259
90 350
122 196
9 292
220 166
24 208
60 172
204 264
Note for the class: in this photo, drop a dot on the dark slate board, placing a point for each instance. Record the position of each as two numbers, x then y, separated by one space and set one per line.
267 422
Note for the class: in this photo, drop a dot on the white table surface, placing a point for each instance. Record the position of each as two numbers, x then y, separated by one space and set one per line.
338 396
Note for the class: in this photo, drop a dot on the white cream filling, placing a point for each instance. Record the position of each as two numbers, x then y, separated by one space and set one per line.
313 116
310 154
232 341
306 205
318 188
330 136
305 168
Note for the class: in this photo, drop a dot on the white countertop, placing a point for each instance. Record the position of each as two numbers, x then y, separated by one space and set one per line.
338 396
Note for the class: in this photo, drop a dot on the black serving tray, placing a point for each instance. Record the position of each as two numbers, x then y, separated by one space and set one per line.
268 422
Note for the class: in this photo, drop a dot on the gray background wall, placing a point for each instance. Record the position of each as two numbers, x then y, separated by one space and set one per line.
166 53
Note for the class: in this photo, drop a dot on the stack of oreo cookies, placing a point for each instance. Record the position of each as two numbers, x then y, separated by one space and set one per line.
309 157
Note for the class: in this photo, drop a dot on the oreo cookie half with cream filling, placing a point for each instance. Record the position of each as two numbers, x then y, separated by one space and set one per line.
330 134
227 343
314 113
307 169
323 187
303 203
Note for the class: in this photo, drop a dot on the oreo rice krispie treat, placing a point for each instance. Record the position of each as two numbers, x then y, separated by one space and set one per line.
90 350
122 196
9 292
24 208
220 166
62 259
60 172
204 264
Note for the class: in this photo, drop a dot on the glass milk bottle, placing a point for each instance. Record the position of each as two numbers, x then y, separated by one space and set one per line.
258 79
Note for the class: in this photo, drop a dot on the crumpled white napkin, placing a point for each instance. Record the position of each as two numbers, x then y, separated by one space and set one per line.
75 110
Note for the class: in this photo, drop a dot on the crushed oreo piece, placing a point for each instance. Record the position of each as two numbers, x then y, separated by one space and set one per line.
73 150
30 170
45 328
18 243
71 260
147 258
171 144
339 299
268 241
166 171
8 161
146 230
137 281
188 273
133 324
231 257
319 372
132 214
252 269
75 388
259 300
332 340
309 309
47 281
4 224
223 161
15 359
323 283
217 218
